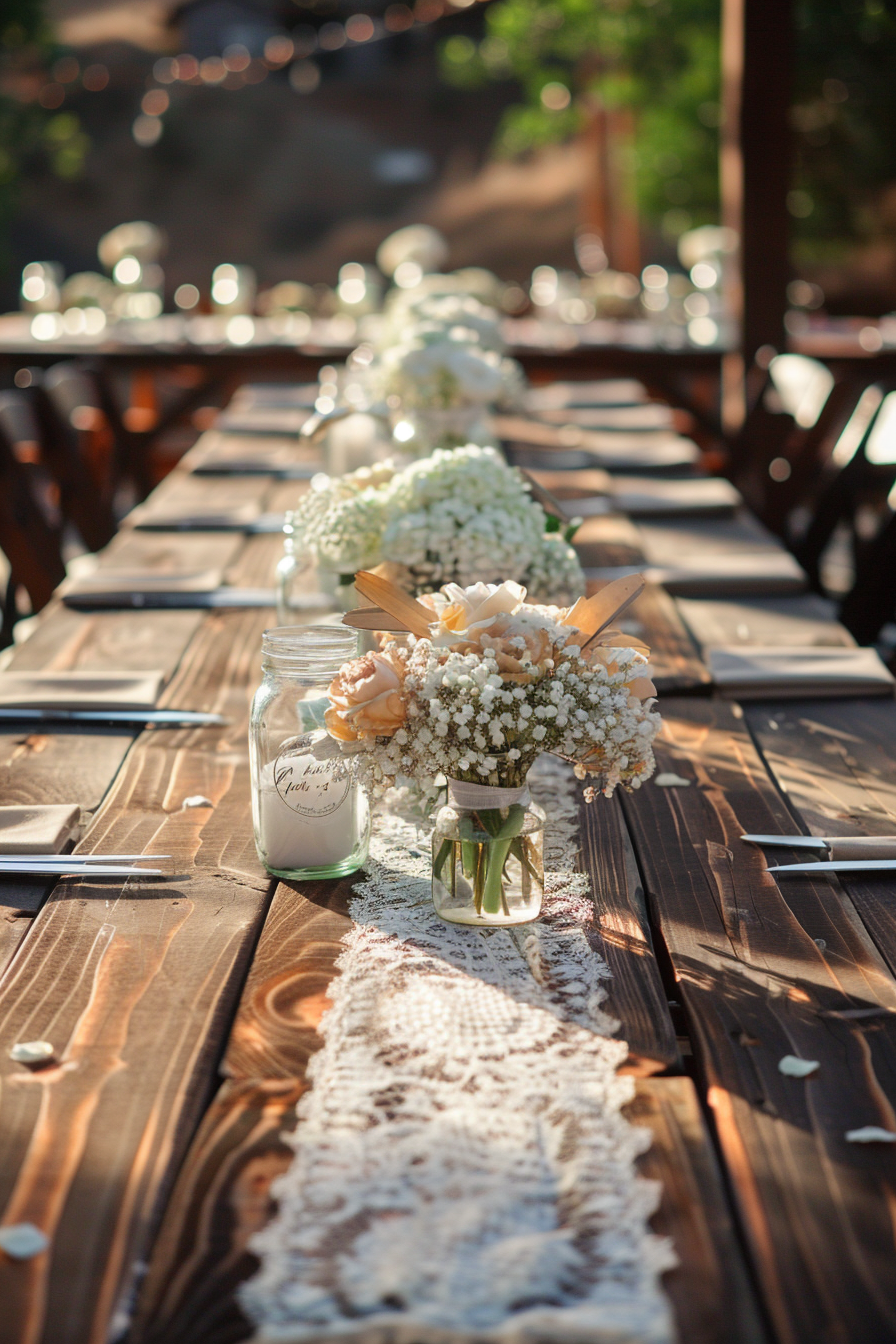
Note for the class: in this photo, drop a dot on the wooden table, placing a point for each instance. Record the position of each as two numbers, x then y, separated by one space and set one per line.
184 1015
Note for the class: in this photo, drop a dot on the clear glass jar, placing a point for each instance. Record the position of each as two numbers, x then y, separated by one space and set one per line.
294 571
488 856
311 818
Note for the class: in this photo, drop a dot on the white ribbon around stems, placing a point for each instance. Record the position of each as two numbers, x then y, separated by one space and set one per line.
471 797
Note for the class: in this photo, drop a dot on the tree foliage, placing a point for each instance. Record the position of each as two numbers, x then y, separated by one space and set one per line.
658 57
661 58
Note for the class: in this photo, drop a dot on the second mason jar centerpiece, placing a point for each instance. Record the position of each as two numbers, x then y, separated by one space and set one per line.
311 815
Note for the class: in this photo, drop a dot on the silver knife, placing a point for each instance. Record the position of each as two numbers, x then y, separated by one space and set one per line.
81 858
837 847
839 866
162 718
42 869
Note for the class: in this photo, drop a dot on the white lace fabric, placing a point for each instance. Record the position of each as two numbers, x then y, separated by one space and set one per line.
463 1170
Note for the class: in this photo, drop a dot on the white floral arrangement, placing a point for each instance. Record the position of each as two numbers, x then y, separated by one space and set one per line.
440 374
441 348
495 681
461 515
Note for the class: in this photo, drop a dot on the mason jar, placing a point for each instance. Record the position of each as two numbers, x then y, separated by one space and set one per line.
311 817
488 856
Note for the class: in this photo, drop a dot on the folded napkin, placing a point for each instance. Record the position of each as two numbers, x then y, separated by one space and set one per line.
650 416
237 518
657 498
37 828
262 420
278 395
80 690
802 621
739 575
123 588
140 581
217 454
712 576
599 392
755 673
574 446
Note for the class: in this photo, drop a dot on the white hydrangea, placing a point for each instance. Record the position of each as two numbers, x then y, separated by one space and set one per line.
461 515
554 573
440 374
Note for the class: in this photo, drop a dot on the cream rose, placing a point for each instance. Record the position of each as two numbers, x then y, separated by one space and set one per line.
461 612
366 699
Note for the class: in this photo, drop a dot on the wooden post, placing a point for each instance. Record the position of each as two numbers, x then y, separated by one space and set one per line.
755 166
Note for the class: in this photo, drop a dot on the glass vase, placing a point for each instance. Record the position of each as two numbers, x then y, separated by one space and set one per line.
488 856
311 817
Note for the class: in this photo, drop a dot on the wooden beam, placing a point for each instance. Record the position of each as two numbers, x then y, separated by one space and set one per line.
755 168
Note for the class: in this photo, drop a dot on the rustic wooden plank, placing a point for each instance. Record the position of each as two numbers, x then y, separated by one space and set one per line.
712 1298
608 541
635 995
135 988
655 618
274 1032
200 1255
221 1197
836 763
760 970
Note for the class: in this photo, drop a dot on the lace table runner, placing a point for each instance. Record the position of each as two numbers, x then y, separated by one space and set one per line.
462 1169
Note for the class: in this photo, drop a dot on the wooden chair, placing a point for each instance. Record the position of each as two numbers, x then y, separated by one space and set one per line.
860 475
871 602
77 449
797 414
29 538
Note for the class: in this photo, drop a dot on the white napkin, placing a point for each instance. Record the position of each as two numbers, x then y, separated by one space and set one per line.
650 497
757 673
597 392
727 575
37 828
111 582
80 690
801 621
641 419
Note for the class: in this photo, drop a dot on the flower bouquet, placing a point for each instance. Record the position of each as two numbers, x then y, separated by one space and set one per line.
460 516
486 682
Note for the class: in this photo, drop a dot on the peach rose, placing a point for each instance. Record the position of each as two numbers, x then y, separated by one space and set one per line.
366 698
521 650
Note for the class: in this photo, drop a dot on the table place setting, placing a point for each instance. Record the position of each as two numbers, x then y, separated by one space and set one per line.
752 672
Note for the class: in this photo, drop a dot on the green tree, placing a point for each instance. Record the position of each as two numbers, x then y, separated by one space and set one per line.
29 131
658 57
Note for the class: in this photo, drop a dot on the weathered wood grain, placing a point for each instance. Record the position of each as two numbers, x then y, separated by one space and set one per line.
134 987
760 971
836 763
635 994
712 1298
222 1196
605 542
274 1032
